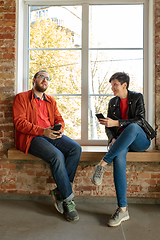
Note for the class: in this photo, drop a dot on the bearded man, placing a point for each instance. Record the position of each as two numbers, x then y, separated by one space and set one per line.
35 114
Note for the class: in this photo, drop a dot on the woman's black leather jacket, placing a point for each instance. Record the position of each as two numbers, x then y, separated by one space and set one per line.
136 113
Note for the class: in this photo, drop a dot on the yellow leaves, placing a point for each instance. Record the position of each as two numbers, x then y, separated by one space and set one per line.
63 66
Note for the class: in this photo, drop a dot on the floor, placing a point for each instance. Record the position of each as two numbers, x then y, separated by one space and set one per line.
38 220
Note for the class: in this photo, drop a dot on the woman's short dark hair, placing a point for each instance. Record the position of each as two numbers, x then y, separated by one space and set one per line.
122 77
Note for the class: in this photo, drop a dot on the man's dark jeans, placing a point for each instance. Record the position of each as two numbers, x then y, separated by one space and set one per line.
63 155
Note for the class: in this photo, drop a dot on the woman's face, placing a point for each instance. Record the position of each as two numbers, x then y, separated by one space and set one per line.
117 88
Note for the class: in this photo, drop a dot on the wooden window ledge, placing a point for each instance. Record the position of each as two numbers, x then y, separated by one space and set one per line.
94 153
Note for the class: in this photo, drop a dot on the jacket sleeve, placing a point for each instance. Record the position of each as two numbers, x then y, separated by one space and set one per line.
110 131
137 112
23 119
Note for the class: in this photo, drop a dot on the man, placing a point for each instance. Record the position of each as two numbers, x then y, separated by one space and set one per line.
34 115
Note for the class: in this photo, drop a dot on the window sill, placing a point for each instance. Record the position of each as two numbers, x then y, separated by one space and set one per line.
94 153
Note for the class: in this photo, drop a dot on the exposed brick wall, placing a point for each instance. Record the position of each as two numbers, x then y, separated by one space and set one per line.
157 70
7 72
35 177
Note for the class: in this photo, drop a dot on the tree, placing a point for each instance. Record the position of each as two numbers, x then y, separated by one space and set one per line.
63 67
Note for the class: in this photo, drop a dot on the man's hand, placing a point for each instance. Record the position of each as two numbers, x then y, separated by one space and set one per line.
108 122
48 132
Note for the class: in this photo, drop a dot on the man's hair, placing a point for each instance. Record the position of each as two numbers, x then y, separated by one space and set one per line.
39 72
122 77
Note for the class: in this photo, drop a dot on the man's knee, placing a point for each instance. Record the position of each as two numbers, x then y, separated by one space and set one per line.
57 158
77 148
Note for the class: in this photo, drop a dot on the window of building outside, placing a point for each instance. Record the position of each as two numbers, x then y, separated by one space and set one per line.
81 46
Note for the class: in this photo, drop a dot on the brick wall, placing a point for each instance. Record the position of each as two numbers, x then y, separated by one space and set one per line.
35 177
7 72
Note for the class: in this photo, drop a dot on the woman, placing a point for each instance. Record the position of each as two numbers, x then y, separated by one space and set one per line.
124 123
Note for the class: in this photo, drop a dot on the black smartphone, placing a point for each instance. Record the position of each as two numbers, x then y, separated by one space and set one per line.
57 127
100 115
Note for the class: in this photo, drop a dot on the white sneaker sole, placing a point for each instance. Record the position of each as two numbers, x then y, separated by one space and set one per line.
117 224
55 204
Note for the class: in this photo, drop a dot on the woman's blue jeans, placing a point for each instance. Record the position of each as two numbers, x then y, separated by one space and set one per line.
133 138
63 155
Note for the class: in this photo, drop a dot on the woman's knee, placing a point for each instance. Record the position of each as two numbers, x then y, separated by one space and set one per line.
132 127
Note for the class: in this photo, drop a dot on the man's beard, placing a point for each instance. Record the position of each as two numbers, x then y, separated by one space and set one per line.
40 89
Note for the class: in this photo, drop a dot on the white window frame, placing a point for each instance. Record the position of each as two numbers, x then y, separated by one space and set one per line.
149 64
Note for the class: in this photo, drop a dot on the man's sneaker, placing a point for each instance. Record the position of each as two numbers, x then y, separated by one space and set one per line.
58 201
70 211
118 217
98 175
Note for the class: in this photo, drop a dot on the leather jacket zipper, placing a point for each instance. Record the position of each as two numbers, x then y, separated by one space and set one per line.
147 128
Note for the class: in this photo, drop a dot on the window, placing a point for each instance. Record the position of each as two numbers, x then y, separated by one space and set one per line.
81 45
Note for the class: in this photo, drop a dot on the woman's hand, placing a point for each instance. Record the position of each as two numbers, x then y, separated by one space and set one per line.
113 140
108 122
48 132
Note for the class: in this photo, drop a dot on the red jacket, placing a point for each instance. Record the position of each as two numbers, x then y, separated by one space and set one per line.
25 118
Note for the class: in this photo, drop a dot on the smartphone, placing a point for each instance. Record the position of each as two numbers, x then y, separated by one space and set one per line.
57 127
100 115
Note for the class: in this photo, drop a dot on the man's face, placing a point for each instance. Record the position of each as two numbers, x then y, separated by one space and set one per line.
41 84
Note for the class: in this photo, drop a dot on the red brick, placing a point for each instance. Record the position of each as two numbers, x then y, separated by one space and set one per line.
9 165
9 56
143 175
9 134
7 36
7 128
83 188
155 175
9 186
154 189
12 191
30 172
9 29
151 182
107 174
9 16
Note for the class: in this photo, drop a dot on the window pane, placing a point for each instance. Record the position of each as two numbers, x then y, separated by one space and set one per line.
105 63
64 68
98 104
116 26
70 108
55 26
55 45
